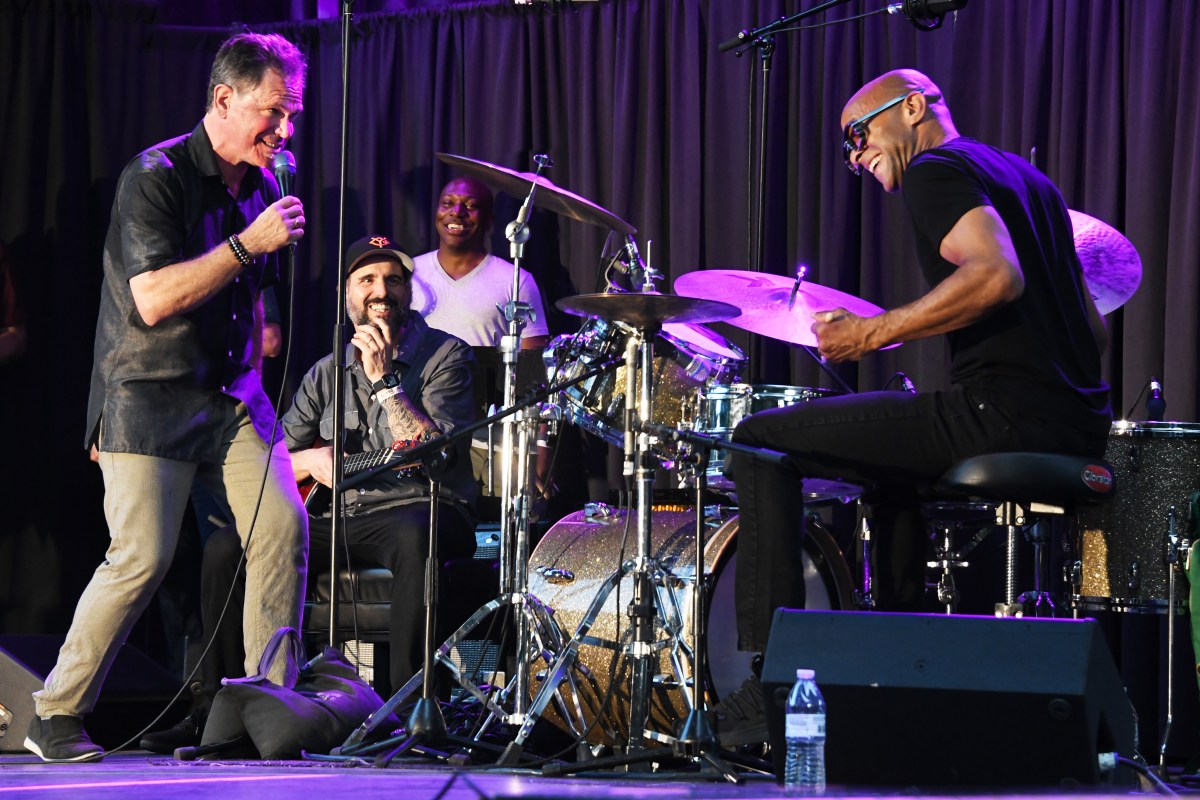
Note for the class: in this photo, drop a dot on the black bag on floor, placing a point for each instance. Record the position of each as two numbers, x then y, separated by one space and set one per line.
328 701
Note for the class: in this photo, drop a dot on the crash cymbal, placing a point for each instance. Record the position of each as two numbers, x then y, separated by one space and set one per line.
763 299
550 197
1112 269
642 309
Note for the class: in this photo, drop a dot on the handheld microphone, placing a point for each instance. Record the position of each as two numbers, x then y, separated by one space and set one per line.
285 171
925 15
1156 404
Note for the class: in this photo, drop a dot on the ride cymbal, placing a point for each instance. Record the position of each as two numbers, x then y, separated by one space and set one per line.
764 299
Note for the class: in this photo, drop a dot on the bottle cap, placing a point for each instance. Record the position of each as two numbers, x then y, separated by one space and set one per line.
805 674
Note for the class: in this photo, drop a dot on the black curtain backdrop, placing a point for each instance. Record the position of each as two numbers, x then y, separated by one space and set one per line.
644 117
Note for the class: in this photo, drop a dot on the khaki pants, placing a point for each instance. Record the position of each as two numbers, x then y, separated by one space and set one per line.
144 501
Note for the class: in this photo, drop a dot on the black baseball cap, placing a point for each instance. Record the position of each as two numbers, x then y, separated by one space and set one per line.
377 245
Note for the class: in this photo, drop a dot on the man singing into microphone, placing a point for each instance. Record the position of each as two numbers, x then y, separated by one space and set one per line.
175 399
995 242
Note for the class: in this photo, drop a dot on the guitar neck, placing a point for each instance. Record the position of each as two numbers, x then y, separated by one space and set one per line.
364 461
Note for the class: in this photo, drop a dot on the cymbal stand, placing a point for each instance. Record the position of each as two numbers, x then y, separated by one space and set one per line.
638 356
1177 548
514 488
697 740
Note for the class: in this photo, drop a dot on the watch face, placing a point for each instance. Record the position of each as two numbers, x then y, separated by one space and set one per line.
390 380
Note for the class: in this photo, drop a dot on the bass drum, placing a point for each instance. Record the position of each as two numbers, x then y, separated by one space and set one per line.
574 560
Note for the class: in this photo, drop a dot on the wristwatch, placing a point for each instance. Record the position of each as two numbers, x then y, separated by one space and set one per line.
388 381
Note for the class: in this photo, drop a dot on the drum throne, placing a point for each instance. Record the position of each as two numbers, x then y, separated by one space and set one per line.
1017 490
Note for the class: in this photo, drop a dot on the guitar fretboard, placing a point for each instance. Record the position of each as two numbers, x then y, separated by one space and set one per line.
362 461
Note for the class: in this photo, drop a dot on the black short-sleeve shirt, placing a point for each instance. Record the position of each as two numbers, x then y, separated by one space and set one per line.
153 389
1036 355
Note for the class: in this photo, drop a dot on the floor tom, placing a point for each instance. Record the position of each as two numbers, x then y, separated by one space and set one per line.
1121 545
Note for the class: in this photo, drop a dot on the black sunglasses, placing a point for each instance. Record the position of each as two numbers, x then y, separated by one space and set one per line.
854 136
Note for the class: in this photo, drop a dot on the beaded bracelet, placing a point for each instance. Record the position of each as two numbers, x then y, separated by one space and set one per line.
239 250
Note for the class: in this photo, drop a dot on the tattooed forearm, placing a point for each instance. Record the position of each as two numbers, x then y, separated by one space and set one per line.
406 420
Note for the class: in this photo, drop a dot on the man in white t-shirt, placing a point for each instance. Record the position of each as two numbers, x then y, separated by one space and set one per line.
458 287
461 288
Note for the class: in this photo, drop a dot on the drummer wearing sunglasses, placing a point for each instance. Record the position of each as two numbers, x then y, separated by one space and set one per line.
994 242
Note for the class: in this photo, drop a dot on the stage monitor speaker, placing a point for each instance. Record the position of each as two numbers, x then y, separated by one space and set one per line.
934 700
134 692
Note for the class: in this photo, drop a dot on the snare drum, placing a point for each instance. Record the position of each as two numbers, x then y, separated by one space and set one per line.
686 357
572 563
1122 545
720 408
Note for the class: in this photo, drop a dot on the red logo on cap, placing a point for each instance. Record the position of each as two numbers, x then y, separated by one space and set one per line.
379 241
1097 478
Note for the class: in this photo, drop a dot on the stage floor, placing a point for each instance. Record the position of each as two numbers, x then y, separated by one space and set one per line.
135 776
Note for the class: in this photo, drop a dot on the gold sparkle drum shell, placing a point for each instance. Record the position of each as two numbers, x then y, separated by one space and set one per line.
1121 546
576 557
685 357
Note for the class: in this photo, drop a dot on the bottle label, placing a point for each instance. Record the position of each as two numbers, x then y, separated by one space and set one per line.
805 726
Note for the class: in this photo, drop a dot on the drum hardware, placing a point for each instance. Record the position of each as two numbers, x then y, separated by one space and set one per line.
1038 535
948 520
585 545
864 596
646 312
1175 545
697 740
1011 516
545 638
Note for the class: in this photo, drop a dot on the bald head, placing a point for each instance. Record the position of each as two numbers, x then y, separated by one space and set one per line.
894 84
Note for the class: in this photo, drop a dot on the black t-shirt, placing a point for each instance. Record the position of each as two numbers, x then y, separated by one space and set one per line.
1036 355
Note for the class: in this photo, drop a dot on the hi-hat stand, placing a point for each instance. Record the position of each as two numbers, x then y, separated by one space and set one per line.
697 740
649 608
647 604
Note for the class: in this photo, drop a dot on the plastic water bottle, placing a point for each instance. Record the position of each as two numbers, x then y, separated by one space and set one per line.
804 773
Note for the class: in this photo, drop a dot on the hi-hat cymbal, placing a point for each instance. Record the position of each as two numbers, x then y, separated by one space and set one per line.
641 309
1111 267
763 299
550 197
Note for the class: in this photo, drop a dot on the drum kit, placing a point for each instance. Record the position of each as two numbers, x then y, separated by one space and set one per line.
644 363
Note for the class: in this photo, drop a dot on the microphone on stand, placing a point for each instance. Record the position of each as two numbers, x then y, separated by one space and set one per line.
1156 404
285 171
925 15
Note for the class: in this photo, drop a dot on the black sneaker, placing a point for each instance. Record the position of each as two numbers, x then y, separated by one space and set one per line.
61 739
741 717
185 733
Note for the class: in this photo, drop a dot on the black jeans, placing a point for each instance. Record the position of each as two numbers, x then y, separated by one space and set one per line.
396 538
896 445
